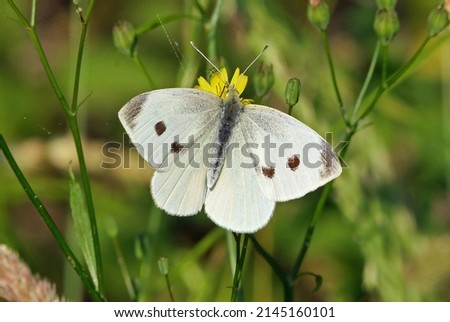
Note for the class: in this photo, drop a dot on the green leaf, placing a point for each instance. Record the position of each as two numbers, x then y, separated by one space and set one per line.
82 225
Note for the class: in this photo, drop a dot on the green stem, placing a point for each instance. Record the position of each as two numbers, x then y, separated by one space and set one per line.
140 64
391 81
76 83
169 287
313 222
33 13
241 252
123 269
74 128
326 44
397 75
310 231
290 109
150 242
363 91
70 113
281 274
212 32
73 123
234 260
384 62
70 256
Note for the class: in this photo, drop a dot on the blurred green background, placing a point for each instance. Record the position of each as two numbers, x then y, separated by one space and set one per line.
385 232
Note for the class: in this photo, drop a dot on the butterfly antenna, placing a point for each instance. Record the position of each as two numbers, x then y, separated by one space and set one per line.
174 47
254 60
204 56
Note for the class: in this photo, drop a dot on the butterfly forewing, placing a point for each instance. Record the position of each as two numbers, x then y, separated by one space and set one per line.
290 158
165 121
170 128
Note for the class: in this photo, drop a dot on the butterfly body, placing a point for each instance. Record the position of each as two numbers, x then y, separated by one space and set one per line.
237 160
231 108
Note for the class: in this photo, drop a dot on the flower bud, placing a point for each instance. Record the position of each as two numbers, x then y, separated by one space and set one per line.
163 265
124 37
292 92
437 20
318 14
386 25
263 80
386 4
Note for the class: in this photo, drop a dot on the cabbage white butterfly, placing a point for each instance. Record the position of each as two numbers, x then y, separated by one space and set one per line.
209 147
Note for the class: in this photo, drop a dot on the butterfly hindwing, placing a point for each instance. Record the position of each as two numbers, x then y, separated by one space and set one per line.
236 201
181 190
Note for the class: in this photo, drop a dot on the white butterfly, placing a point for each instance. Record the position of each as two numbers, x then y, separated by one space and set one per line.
210 147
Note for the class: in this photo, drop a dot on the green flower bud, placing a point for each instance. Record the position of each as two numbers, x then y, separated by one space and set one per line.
386 4
386 25
318 14
163 265
263 80
437 20
124 37
292 92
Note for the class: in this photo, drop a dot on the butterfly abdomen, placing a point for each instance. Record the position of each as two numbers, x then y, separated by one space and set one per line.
231 108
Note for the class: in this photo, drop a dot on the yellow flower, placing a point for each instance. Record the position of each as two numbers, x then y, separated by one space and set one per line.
219 85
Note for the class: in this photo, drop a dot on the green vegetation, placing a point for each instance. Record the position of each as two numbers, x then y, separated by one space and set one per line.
375 75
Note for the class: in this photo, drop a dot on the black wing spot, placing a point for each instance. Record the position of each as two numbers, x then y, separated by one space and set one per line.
293 162
160 128
176 147
268 172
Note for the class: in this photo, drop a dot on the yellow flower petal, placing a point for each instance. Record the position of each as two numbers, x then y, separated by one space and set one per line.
218 83
246 101
239 81
224 74
235 76
204 85
203 82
